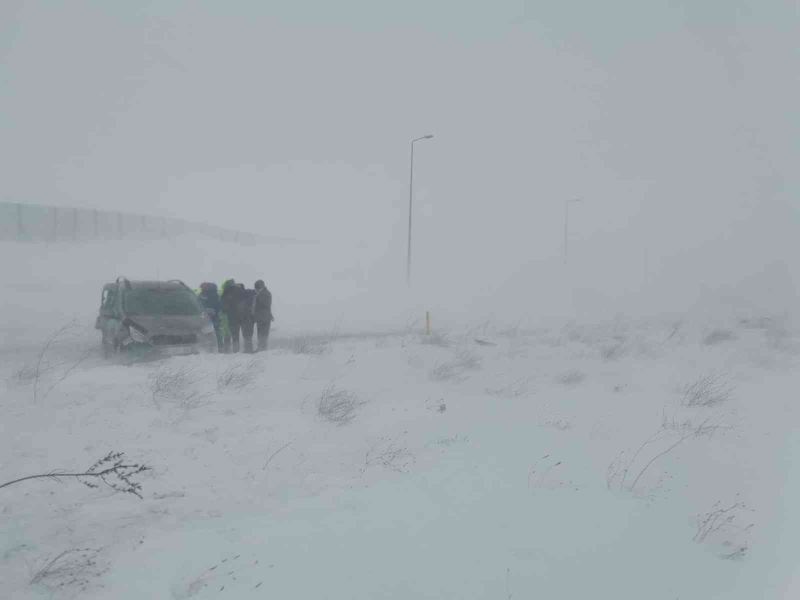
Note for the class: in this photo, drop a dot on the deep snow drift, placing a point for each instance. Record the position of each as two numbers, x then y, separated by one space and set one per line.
625 458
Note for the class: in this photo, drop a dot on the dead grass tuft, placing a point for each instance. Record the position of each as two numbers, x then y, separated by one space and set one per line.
239 375
571 377
338 406
708 390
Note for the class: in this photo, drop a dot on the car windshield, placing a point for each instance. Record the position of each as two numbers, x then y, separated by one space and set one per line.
155 301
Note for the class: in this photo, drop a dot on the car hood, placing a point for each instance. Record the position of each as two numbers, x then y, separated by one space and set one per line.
169 324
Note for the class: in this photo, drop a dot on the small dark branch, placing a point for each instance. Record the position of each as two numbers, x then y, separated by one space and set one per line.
110 470
40 366
274 454
70 368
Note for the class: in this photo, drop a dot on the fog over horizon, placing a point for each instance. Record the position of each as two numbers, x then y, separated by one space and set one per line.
675 123
586 388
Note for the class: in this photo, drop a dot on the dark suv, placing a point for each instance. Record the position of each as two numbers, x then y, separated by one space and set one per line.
144 316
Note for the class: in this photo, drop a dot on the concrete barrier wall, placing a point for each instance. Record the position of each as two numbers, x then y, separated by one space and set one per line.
41 223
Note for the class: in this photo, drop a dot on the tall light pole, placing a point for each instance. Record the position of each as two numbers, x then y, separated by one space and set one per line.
566 225
411 203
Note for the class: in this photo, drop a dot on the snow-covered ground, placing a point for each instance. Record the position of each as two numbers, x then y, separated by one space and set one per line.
624 458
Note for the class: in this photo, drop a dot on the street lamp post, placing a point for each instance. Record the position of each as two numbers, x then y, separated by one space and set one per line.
411 203
566 225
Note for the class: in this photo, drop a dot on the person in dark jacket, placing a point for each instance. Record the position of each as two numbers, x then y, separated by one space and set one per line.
245 307
262 313
231 307
209 298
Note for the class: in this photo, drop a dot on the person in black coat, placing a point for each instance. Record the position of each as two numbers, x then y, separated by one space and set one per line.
245 307
231 308
262 313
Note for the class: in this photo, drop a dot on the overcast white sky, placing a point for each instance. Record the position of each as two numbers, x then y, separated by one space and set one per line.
675 121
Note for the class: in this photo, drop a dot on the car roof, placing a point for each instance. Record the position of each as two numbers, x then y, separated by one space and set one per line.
155 285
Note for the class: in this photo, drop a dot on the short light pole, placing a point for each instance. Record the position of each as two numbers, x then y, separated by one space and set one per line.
566 225
411 203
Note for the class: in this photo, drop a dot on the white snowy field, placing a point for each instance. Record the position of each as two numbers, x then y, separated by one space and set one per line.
623 458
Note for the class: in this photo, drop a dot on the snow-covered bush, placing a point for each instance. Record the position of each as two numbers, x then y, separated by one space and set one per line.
238 375
612 351
708 390
389 455
571 377
47 372
454 369
718 336
338 406
70 571
630 468
304 345
175 384
723 525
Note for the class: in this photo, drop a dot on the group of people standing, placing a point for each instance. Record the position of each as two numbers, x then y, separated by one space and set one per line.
238 312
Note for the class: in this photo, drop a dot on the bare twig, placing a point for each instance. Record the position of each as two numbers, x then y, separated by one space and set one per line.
619 470
111 470
274 454
664 452
720 518
40 361
45 570
86 354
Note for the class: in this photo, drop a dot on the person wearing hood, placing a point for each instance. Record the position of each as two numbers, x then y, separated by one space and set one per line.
262 313
209 298
232 325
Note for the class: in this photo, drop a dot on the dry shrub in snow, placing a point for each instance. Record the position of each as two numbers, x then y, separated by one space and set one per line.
70 571
613 351
723 524
560 424
303 345
23 375
513 389
338 406
628 469
680 426
760 322
571 377
708 390
175 384
449 441
720 518
238 376
454 369
718 336
47 372
389 455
